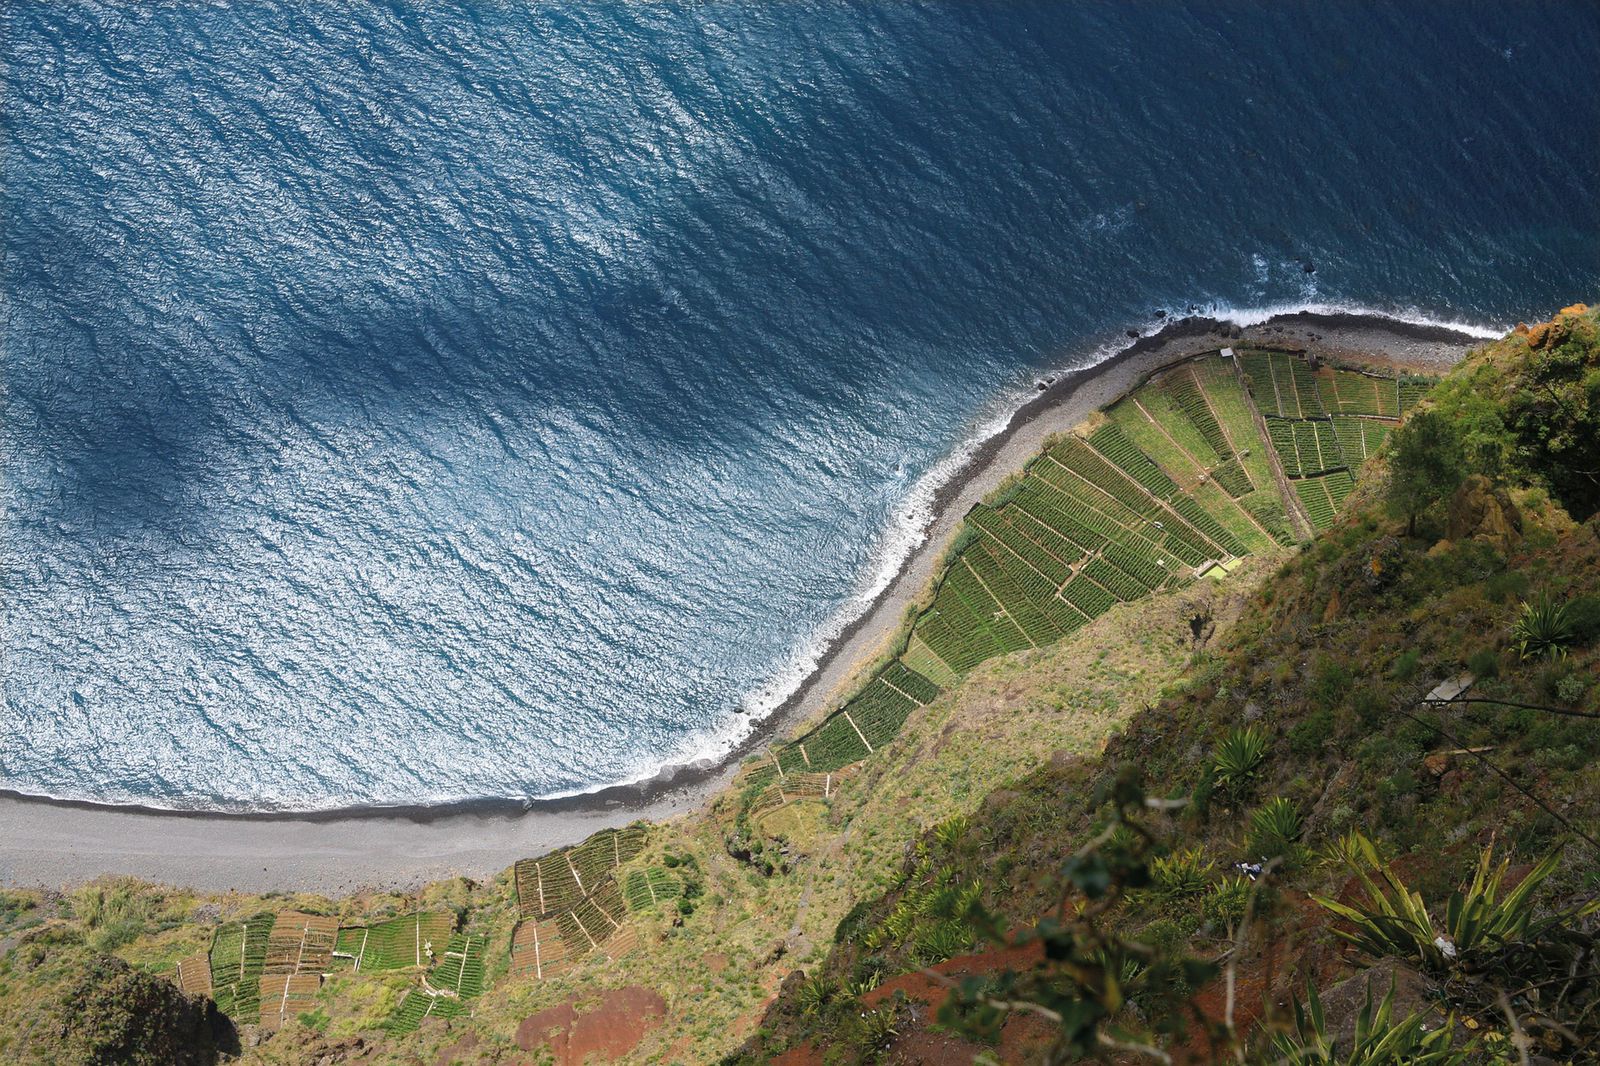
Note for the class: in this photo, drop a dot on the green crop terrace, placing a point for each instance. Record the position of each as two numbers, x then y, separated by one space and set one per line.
1174 481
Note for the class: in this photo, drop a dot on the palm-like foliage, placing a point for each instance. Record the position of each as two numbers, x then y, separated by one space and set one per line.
1274 828
1395 920
1237 758
816 993
1181 874
1543 627
1379 1039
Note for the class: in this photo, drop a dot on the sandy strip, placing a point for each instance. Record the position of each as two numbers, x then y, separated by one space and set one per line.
47 843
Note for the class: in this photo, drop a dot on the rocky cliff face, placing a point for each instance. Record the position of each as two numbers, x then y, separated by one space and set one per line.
1483 511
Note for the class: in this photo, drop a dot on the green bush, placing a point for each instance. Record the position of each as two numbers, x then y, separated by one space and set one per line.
1307 736
1225 904
1583 615
1484 663
1237 760
1505 586
113 1013
1274 828
1330 680
1181 874
1379 1039
1405 664
1542 628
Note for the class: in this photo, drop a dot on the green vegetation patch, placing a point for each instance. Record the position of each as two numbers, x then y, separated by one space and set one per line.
561 879
396 944
238 956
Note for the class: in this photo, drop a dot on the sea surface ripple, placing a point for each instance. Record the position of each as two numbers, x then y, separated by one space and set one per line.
412 402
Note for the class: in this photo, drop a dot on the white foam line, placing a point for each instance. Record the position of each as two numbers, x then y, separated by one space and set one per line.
906 532
909 527
1254 316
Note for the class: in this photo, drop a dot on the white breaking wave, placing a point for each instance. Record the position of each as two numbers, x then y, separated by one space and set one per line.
1254 316
908 529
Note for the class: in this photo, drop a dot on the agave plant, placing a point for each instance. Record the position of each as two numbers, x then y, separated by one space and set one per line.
1274 828
1379 1039
817 992
950 832
1352 850
1543 627
1181 874
1226 903
1237 758
1395 920
941 941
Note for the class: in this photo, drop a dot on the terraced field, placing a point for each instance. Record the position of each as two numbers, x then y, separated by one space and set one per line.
648 888
1173 477
396 944
449 990
1325 423
286 995
238 957
571 902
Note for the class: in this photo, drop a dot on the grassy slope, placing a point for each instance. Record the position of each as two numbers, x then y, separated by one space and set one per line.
1317 675
1323 659
720 967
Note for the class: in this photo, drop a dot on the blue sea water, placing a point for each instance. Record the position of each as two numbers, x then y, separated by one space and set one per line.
412 402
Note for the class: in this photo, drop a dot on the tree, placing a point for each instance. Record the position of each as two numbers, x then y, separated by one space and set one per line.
1426 464
113 1013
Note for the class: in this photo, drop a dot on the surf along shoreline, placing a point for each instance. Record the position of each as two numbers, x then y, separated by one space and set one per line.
49 841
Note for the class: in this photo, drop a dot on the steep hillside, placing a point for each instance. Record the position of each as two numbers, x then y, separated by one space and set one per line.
1332 713
1140 613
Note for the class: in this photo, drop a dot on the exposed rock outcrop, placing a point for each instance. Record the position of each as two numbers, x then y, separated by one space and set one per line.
1480 510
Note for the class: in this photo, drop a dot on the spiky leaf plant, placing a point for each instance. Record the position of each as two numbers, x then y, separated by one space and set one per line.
1274 828
1543 627
1379 1040
1238 757
1478 919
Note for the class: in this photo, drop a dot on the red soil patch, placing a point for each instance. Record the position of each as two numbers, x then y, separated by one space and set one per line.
918 986
608 1031
714 961
804 1055
1023 1038
459 1050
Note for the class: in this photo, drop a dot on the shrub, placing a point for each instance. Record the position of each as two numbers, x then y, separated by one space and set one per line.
1237 759
1542 628
1307 737
1570 689
1274 828
1181 874
1583 614
1477 920
1483 663
1330 680
1405 664
1226 903
1505 585
1426 462
115 1013
1379 1040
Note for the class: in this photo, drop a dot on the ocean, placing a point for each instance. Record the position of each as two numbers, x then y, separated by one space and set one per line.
417 403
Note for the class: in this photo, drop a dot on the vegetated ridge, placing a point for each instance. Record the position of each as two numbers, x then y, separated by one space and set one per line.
919 877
